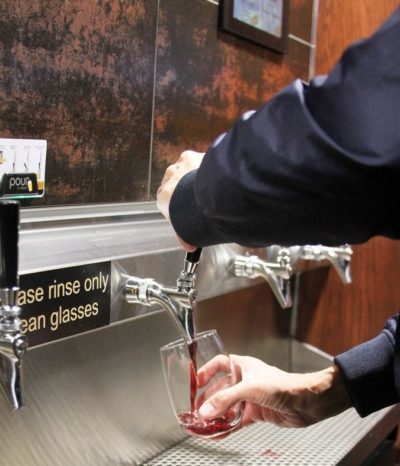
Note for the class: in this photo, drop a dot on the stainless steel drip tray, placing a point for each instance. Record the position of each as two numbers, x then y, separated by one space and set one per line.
343 440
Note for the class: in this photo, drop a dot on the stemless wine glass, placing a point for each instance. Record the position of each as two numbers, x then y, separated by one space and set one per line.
193 372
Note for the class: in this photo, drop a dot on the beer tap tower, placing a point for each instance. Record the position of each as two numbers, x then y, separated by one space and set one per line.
12 343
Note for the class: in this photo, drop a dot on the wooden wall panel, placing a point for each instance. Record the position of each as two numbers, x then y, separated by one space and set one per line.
341 22
335 317
332 316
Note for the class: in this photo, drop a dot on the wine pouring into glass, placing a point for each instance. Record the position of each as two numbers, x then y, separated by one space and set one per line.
186 362
186 358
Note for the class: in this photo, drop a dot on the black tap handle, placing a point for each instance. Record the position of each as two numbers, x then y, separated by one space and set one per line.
9 225
194 256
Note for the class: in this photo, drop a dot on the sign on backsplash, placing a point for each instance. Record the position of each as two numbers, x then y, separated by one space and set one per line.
59 303
22 167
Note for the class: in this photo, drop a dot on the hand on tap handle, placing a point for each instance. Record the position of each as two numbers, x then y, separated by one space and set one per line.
187 162
9 224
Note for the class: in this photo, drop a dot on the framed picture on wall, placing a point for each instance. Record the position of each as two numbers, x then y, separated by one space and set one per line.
264 22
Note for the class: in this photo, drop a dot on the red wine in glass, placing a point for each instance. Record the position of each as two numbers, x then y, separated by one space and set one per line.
193 375
191 420
195 424
200 349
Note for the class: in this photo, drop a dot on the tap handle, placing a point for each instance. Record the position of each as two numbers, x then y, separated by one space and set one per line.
194 256
186 278
9 224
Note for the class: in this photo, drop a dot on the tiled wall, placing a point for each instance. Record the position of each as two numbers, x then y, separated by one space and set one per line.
119 88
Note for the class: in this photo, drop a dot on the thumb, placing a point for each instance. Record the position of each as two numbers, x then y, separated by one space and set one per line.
221 401
186 246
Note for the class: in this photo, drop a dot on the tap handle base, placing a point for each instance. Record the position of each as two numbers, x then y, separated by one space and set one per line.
9 224
194 256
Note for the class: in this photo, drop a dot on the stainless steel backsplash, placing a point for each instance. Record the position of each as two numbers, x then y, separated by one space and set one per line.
98 398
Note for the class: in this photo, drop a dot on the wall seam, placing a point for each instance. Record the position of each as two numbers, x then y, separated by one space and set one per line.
314 33
153 104
294 317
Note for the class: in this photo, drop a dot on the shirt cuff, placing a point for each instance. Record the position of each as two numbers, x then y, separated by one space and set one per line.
367 372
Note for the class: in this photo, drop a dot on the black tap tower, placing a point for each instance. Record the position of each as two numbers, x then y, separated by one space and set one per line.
12 343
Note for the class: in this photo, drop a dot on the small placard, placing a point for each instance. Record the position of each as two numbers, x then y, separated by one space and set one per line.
59 303
16 184
22 167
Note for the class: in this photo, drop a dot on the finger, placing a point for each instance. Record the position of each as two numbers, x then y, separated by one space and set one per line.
186 246
220 363
163 200
219 403
215 386
192 158
171 170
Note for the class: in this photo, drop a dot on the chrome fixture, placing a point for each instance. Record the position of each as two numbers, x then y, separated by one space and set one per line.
339 257
282 262
13 343
178 301
277 273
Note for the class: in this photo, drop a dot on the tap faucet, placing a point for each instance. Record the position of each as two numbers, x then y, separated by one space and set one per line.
13 343
277 274
339 257
178 301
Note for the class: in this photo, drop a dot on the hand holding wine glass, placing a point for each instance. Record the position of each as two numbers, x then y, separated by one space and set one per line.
273 395
188 392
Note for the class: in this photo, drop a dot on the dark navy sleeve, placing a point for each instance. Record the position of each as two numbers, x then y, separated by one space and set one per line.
370 371
316 164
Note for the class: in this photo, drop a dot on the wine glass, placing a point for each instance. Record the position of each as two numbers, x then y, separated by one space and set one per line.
193 372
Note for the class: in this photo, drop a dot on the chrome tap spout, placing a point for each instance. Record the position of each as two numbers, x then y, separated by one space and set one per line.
12 347
177 301
276 274
339 257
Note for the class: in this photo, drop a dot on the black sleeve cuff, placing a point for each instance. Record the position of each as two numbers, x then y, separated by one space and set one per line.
367 372
187 219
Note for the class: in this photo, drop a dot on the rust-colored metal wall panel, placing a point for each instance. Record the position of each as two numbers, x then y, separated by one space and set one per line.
206 79
332 316
80 74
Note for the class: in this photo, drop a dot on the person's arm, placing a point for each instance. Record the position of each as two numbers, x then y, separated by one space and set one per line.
316 164
371 371
272 395
365 377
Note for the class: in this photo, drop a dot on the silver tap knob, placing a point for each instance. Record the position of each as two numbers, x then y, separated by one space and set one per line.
277 274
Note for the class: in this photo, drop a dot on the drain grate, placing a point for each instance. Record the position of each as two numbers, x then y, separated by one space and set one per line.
323 444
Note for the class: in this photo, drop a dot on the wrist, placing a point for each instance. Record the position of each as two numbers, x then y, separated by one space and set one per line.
324 395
